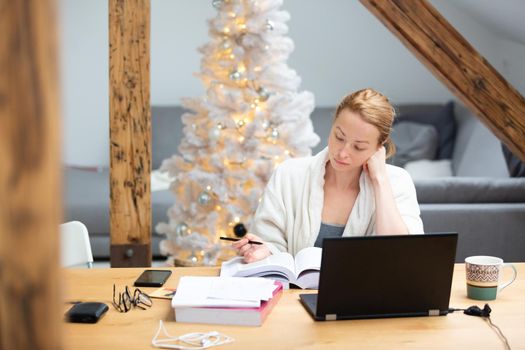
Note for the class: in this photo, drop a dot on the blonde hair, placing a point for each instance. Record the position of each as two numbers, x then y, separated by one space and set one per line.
375 109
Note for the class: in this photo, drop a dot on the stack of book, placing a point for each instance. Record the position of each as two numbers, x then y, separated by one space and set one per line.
225 300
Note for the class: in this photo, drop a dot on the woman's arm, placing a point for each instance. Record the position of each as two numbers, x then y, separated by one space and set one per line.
388 217
267 226
251 252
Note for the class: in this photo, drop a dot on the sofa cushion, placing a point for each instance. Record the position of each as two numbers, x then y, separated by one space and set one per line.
444 122
470 190
414 141
515 166
426 169
477 152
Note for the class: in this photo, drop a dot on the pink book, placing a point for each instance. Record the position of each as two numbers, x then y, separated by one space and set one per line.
237 316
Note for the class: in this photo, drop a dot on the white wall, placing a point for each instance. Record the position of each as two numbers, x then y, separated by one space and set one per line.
84 81
506 56
178 28
513 63
340 47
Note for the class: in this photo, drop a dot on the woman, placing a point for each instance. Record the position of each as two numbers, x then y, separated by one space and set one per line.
345 190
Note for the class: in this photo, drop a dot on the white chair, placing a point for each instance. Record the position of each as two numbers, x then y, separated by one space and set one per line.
75 246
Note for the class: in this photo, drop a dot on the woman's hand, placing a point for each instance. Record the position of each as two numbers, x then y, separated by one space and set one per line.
376 165
251 252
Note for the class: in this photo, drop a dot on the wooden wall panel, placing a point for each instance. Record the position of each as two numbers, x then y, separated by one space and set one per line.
30 300
435 42
130 132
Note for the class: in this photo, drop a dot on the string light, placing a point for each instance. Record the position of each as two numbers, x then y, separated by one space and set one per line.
275 133
225 44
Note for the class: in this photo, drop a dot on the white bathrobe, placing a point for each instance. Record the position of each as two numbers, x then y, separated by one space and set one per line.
289 215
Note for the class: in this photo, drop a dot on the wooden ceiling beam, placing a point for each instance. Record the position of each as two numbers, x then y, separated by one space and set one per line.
451 58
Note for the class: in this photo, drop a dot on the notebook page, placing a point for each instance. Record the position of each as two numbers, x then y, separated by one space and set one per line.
308 259
195 291
241 288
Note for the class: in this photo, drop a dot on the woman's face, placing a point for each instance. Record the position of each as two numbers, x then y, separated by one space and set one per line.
352 141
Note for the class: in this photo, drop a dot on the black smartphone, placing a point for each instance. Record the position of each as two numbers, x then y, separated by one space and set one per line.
152 278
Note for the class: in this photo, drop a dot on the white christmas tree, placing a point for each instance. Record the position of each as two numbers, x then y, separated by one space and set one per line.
251 119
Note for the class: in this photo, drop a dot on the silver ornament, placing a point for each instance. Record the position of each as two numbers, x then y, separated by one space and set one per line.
263 93
204 198
181 229
214 134
240 123
235 75
217 3
225 44
265 124
275 134
269 25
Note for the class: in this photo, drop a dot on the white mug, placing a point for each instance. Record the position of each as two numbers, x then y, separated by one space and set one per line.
484 276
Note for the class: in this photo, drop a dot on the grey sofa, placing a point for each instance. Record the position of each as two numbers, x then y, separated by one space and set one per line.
480 202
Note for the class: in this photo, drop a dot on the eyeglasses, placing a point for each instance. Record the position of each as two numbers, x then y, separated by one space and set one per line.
128 300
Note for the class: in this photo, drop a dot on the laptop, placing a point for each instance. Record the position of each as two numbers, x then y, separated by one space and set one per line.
384 276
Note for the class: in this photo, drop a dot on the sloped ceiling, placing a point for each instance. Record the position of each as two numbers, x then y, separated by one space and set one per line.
503 18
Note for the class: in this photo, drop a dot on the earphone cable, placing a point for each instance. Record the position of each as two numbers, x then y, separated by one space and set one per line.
485 315
498 332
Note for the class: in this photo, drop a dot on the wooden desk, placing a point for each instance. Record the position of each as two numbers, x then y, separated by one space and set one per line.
289 326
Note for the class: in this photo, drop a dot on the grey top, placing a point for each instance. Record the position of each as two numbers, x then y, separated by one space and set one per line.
328 230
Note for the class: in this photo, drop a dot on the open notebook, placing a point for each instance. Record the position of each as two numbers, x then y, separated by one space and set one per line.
303 271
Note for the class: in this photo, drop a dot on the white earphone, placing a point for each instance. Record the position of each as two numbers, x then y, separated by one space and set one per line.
190 341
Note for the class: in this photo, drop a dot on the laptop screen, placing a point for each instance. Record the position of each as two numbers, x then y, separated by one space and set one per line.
386 276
